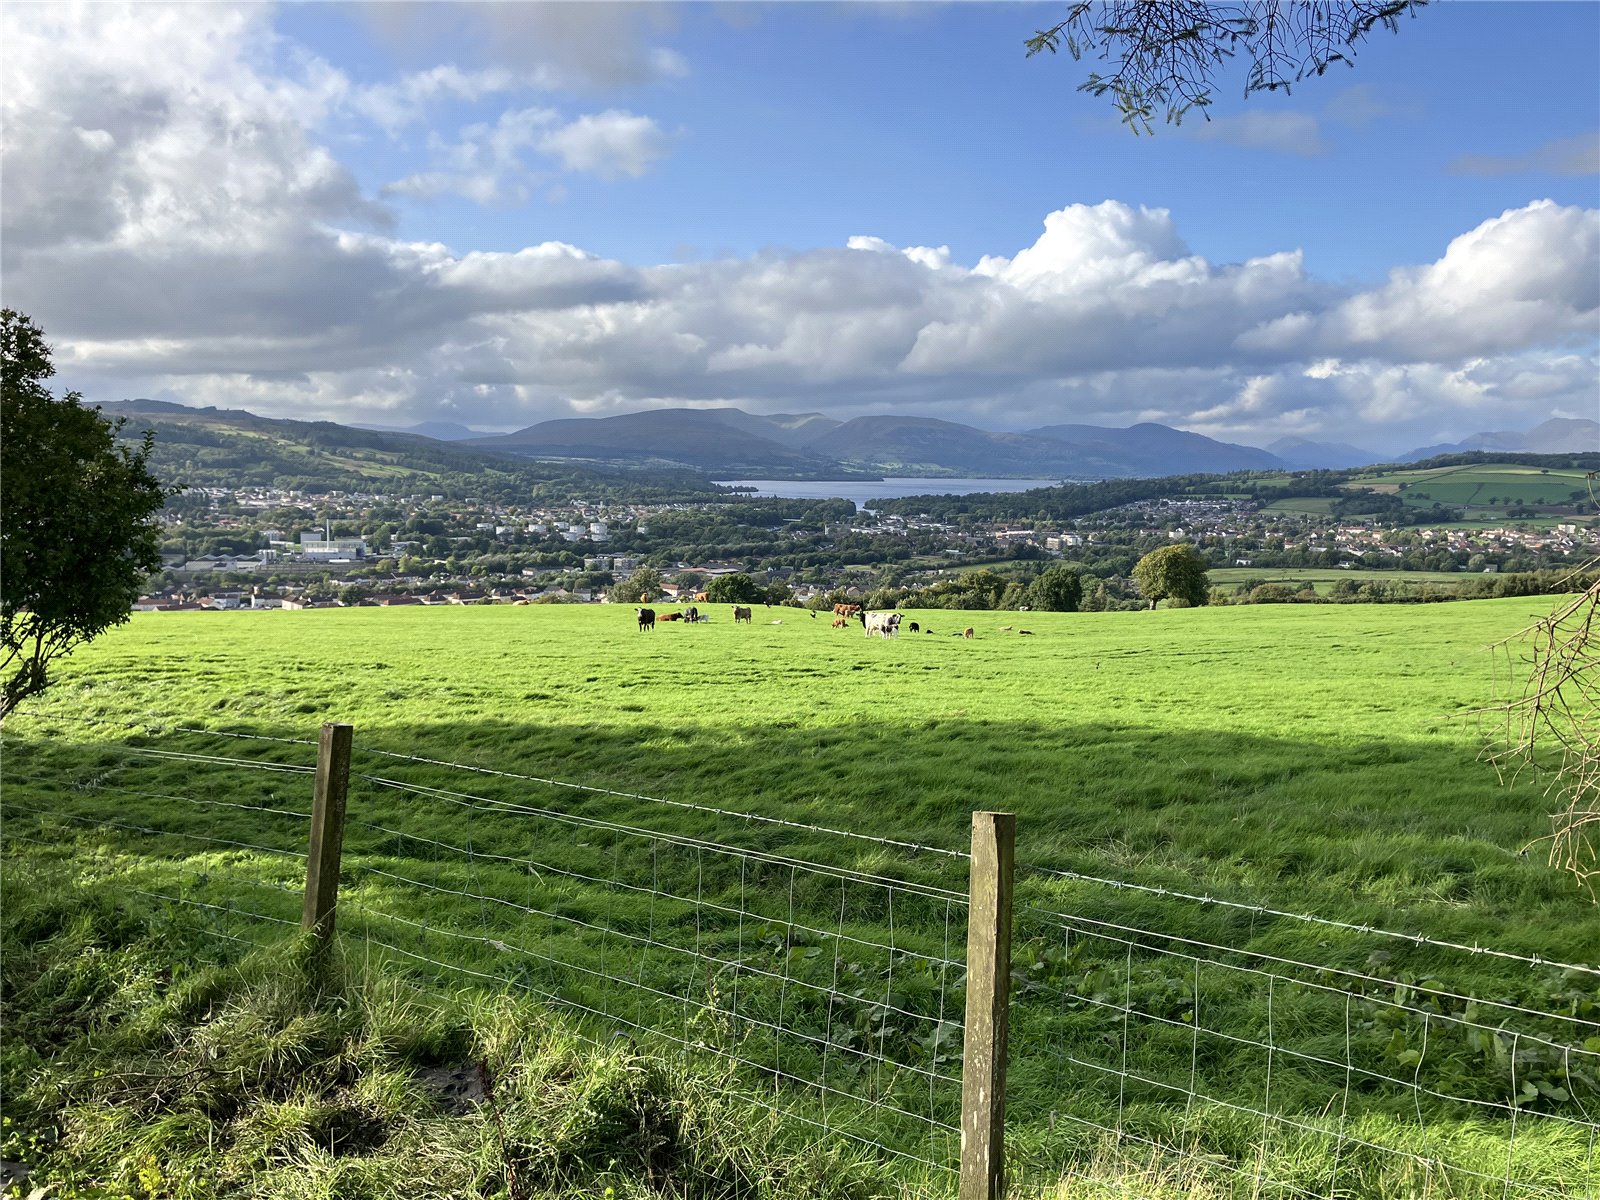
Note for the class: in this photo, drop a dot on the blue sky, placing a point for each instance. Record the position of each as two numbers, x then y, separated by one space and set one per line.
393 213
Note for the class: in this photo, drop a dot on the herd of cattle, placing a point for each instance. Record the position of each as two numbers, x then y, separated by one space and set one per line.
879 624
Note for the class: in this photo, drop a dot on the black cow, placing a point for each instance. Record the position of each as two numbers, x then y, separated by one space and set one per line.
647 619
741 614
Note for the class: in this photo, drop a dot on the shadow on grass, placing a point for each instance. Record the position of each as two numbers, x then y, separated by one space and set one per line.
486 867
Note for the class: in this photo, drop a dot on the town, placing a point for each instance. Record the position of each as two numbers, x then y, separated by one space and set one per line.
271 547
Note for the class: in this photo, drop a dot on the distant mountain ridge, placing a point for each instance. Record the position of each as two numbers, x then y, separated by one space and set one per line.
1558 435
733 443
729 443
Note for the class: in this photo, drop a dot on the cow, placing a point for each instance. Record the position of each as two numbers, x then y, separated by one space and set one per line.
741 613
915 628
647 619
672 616
691 614
840 622
967 633
886 625
846 610
702 597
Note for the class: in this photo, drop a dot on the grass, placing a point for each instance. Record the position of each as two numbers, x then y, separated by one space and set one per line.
1474 485
1312 759
1323 578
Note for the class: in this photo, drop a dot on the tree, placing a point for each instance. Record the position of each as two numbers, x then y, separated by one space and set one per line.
1166 55
1172 572
643 586
737 588
1056 589
77 542
1552 725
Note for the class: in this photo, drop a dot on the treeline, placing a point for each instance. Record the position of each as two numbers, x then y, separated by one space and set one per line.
1400 591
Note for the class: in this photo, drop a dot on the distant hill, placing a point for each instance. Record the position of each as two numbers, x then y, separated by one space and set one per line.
1302 454
212 447
1148 449
925 446
1558 435
442 431
720 441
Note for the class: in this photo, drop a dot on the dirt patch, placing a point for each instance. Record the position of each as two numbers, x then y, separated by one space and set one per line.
459 1089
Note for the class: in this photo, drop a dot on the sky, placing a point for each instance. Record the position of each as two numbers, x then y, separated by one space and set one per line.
498 214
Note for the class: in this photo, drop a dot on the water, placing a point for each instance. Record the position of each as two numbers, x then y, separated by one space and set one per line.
864 492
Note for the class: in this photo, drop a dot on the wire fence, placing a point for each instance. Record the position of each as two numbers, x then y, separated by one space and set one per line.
1242 1050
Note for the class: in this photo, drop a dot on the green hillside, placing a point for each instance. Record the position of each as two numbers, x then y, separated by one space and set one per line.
236 449
1322 760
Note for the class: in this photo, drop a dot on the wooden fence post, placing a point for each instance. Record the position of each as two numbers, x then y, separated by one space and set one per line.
983 1059
327 830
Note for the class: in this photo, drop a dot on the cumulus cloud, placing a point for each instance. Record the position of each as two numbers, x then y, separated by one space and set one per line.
608 144
176 225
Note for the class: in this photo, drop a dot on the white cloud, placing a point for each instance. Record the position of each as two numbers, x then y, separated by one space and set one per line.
178 228
608 144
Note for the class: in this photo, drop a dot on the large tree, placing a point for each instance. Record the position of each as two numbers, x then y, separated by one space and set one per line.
1057 588
1173 573
1166 54
77 538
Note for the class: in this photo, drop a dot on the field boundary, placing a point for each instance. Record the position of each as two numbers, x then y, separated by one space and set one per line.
920 1002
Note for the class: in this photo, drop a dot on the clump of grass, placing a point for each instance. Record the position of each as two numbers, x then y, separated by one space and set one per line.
288 1073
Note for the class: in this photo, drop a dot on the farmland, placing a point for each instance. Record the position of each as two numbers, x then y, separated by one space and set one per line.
1486 486
1317 759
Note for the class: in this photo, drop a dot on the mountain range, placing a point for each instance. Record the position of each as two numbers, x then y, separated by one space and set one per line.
731 443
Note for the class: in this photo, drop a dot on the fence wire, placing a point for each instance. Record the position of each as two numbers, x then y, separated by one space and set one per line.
1404 1074
1235 1049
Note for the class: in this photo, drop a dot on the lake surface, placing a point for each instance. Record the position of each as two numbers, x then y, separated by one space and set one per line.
866 491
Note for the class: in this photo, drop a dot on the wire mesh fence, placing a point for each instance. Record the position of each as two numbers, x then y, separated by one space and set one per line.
1244 1050
1357 1061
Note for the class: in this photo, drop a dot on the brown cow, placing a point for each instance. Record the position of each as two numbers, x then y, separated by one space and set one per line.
846 610
702 597
967 632
840 622
672 616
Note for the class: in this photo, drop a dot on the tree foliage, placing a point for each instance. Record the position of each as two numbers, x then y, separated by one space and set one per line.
643 586
1173 573
737 588
1167 55
1056 589
77 539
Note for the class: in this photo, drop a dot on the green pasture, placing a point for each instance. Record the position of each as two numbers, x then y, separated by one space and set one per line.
1323 578
1322 760
1319 506
1483 485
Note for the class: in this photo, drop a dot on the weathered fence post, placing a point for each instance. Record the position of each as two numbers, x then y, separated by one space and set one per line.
327 829
983 1060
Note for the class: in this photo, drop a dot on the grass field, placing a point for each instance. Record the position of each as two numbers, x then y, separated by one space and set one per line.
1320 759
1323 578
1488 485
